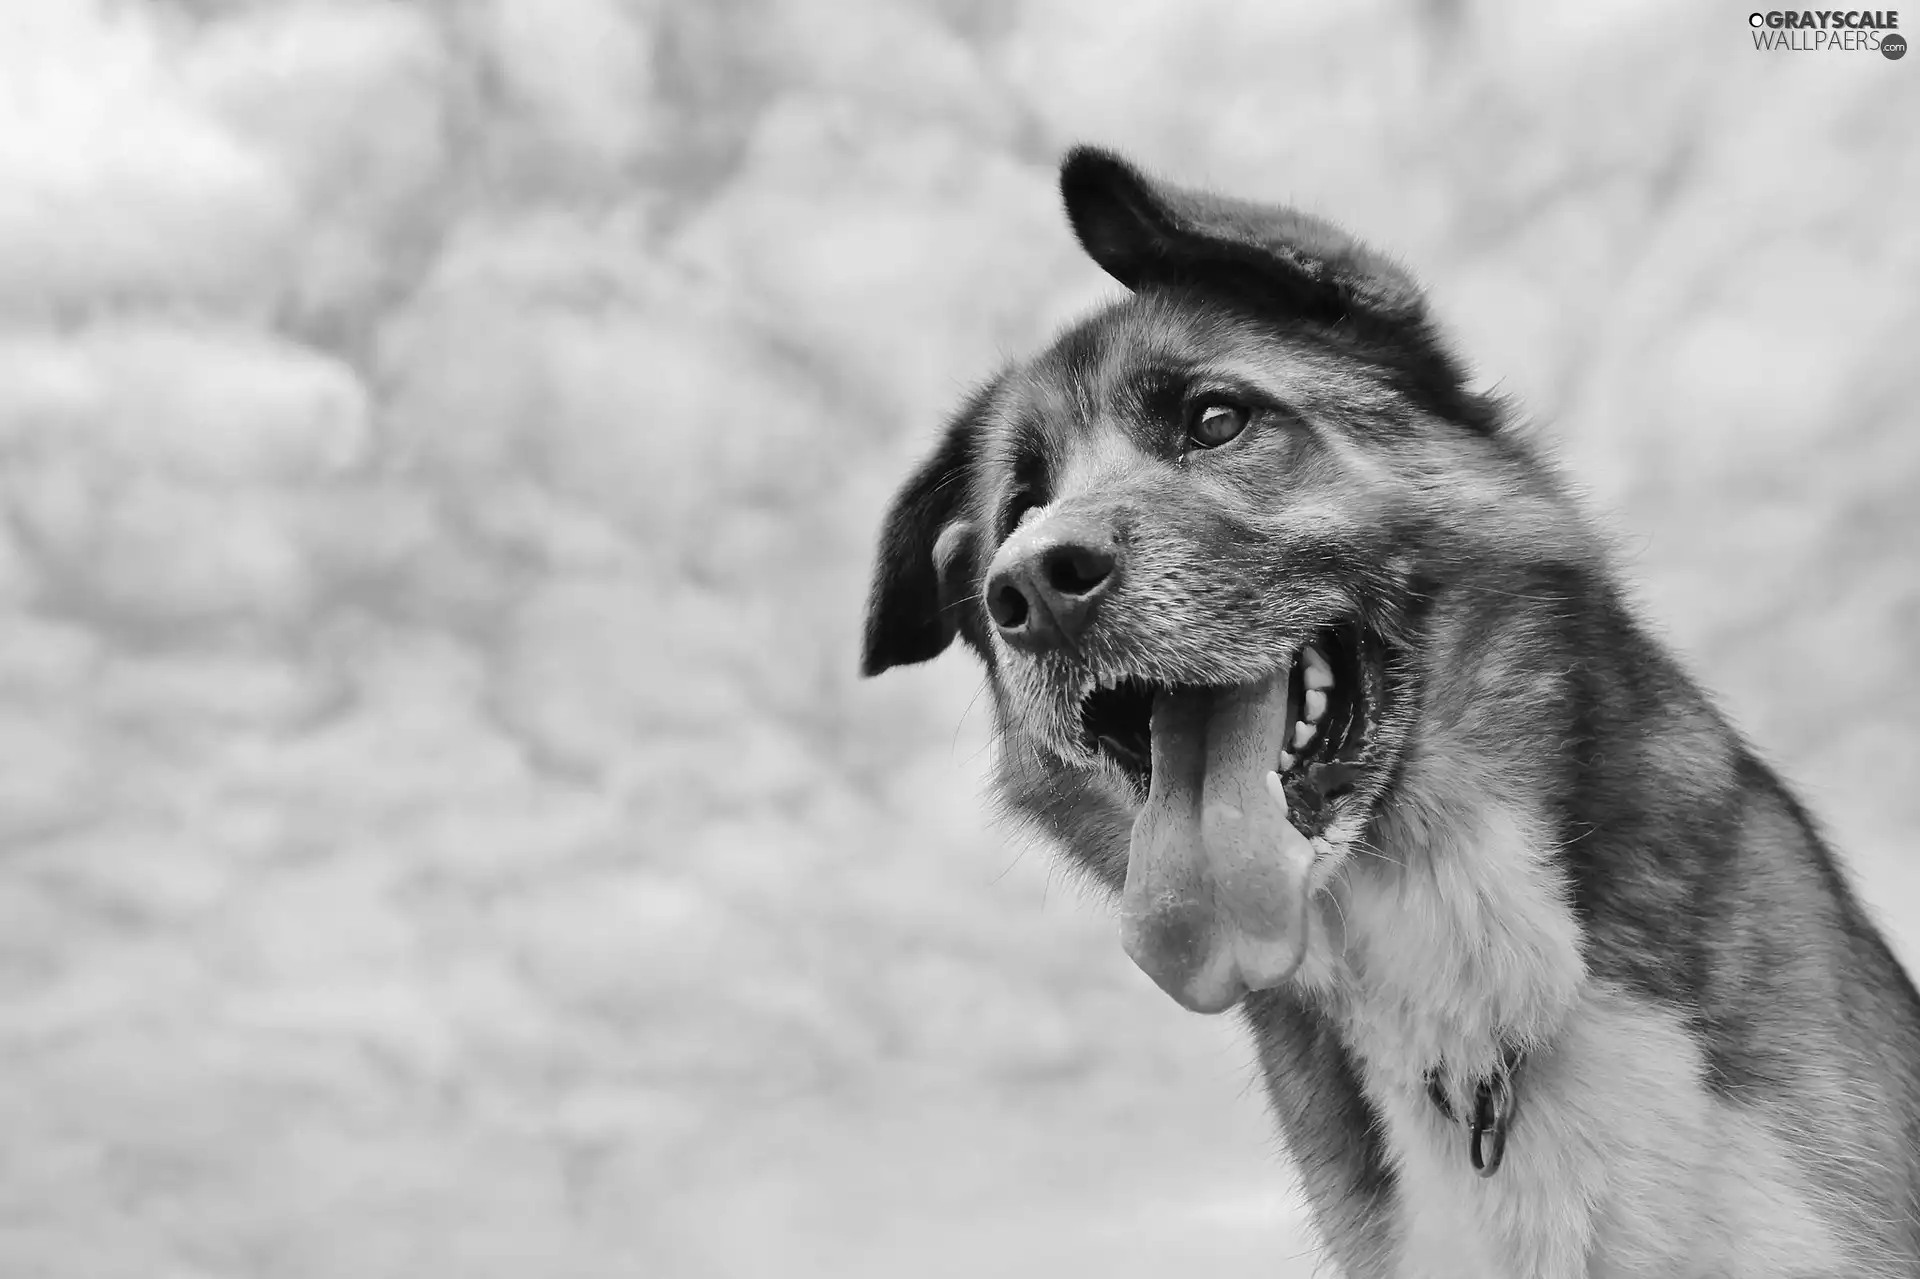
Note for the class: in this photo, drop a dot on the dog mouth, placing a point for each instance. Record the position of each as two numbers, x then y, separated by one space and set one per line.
1336 692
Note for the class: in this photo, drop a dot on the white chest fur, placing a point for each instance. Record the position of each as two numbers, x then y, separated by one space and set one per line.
1621 1161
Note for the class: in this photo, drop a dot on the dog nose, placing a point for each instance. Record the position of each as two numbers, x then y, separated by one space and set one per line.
1042 590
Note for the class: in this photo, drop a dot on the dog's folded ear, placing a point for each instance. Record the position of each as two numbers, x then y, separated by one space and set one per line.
1143 232
1278 260
927 548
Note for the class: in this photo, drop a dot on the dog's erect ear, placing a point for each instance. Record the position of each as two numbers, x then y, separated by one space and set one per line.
927 548
1144 232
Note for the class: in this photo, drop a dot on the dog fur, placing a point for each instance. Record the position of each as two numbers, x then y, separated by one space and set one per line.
1559 848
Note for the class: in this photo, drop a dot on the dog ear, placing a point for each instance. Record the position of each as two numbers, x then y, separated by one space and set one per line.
1144 232
1279 260
927 552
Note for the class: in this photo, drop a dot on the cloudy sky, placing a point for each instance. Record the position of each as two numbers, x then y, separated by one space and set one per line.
441 831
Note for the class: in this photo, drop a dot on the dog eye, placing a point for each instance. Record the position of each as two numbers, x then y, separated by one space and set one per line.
1214 423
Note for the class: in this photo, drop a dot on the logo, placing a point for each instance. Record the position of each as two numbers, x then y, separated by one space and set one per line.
1829 31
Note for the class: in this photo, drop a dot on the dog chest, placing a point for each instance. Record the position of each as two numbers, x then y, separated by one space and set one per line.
1619 1161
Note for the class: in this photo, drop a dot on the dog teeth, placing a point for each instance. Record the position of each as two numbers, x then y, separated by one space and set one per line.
1316 673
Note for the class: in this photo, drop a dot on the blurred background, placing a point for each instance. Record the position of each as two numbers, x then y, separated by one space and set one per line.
440 444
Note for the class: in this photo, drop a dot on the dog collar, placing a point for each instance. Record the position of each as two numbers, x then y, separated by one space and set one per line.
1493 1107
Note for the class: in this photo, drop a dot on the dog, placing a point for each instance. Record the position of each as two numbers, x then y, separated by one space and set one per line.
1298 645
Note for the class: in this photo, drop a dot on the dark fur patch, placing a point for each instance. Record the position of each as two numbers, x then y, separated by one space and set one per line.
1331 1132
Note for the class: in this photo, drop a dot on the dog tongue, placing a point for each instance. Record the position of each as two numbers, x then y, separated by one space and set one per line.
1215 902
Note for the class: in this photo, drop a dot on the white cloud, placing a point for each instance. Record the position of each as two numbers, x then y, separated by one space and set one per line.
580 72
118 185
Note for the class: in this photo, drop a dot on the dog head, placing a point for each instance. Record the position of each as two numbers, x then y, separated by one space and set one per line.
1193 542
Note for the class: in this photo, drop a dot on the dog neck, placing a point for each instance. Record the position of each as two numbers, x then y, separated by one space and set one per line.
1451 943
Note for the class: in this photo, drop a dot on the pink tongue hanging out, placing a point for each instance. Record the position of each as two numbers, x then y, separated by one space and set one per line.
1216 901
